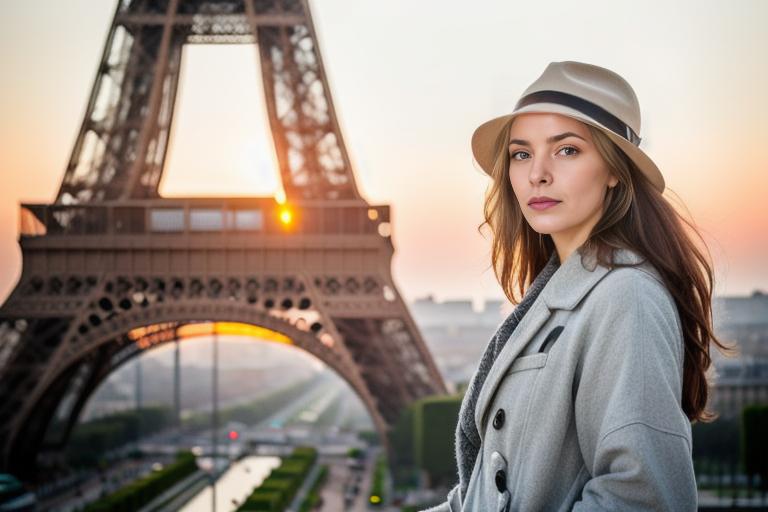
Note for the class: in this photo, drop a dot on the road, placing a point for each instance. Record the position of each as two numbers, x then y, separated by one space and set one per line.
301 422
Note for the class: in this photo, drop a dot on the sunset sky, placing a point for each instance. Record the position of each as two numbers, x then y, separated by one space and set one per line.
410 82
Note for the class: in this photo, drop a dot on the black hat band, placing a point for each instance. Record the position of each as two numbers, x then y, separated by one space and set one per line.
586 107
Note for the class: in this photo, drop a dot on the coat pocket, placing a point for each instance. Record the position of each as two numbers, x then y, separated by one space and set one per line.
528 362
513 394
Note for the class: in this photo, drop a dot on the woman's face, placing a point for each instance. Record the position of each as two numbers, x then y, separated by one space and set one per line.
553 155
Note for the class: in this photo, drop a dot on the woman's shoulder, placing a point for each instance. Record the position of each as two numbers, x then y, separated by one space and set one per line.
635 298
633 273
634 286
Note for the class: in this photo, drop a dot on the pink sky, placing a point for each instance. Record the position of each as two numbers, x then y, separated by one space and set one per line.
409 90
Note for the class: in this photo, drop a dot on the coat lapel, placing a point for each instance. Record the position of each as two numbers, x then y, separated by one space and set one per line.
564 290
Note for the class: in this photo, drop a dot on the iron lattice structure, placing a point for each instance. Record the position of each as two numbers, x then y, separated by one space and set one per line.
110 268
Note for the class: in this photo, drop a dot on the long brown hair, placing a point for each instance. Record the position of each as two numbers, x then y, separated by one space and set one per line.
635 216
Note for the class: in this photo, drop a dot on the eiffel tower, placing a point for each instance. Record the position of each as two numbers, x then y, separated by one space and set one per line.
111 268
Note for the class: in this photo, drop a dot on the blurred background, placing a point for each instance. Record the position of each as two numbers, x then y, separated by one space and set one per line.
410 81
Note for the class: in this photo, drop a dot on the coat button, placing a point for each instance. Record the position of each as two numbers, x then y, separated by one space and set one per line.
501 480
498 420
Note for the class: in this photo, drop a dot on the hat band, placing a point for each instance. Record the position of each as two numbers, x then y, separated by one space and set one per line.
586 107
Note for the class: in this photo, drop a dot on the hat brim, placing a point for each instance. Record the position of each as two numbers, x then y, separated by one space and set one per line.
485 136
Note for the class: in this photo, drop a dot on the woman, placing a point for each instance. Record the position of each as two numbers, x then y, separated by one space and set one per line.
584 397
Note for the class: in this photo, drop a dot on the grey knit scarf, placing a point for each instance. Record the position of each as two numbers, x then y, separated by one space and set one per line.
467 436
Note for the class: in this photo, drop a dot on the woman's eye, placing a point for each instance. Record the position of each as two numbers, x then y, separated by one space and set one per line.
513 155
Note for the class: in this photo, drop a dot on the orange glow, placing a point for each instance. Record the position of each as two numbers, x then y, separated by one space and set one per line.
141 332
232 328
151 335
155 334
286 216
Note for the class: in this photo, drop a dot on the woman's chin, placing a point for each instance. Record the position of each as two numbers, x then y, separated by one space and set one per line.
545 229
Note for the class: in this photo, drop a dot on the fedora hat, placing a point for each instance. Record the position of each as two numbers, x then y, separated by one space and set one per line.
588 93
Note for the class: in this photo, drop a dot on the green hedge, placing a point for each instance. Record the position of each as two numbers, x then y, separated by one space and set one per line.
422 440
281 485
140 492
304 452
278 489
264 501
376 498
435 419
92 439
754 441
284 487
313 497
717 440
404 471
292 469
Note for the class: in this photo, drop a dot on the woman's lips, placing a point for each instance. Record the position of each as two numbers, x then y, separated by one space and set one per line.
543 205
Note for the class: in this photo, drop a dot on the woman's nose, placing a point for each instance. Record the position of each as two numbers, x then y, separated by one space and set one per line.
539 171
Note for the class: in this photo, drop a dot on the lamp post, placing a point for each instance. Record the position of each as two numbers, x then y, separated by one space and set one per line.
139 400
215 415
177 391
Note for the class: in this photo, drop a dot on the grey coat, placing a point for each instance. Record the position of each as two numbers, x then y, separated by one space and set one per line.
580 409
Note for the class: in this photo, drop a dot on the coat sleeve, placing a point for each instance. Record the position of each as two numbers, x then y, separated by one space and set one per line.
634 436
452 503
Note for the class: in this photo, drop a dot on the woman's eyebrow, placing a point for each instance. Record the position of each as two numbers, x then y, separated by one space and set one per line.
550 140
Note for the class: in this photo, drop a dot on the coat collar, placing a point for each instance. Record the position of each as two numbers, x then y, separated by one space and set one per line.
580 272
572 280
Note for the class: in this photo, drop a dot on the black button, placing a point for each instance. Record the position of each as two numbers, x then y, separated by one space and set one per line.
498 420
501 480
